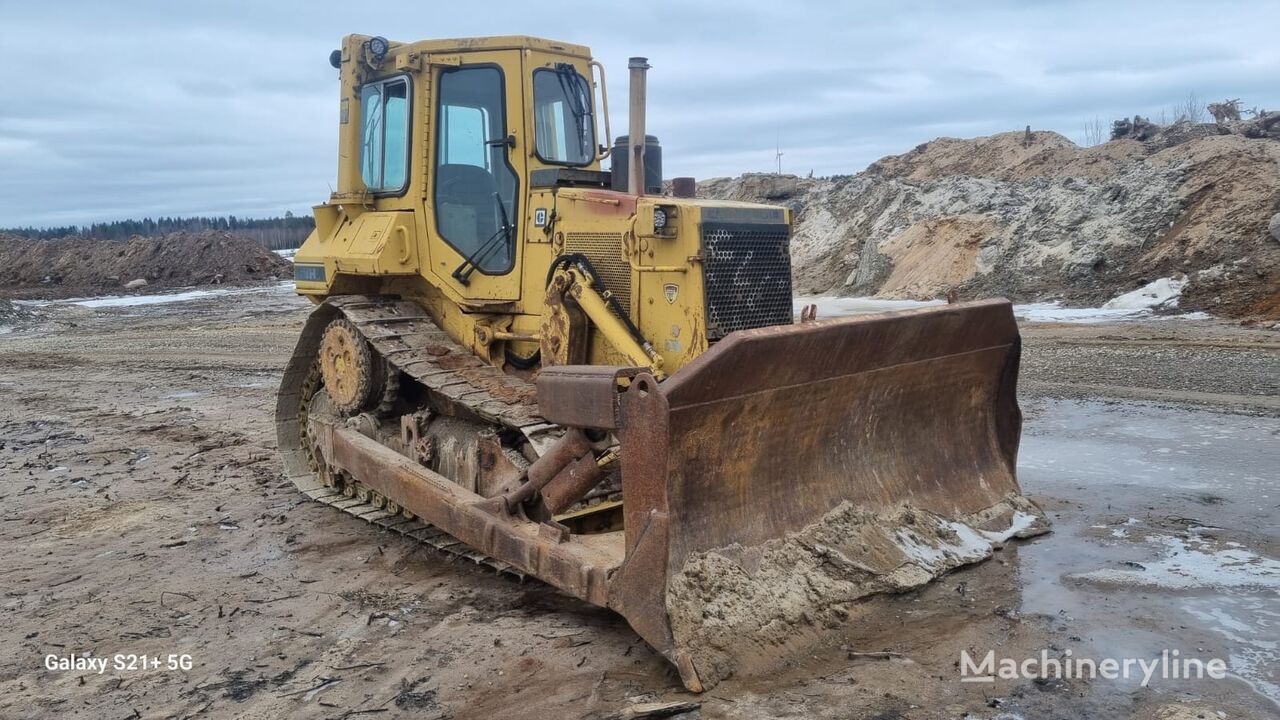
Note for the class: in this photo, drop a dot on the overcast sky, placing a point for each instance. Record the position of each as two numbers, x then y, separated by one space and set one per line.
115 110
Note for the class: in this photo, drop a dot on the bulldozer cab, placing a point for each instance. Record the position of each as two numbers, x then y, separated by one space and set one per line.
469 175
448 132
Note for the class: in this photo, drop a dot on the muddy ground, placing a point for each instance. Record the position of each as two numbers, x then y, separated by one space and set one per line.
142 512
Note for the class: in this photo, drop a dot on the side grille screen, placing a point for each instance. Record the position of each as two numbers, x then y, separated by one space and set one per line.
604 250
747 272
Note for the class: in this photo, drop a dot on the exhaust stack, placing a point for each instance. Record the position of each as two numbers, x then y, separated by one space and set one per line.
635 132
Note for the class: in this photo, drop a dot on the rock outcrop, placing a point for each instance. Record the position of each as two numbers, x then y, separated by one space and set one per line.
1032 216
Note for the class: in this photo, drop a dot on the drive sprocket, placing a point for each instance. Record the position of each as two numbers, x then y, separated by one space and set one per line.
353 375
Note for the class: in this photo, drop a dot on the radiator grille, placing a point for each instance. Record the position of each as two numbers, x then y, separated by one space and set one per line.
604 250
747 272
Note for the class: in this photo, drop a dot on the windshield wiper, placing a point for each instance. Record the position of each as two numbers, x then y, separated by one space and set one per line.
462 273
575 89
371 134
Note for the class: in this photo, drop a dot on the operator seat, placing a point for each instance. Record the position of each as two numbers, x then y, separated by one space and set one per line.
467 213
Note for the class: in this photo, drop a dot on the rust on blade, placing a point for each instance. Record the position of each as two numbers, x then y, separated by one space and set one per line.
638 591
772 428
766 434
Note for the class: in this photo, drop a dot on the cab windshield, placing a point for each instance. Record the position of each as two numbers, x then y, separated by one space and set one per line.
563 125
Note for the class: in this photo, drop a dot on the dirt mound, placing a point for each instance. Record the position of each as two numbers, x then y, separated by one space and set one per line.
1032 216
1008 156
80 266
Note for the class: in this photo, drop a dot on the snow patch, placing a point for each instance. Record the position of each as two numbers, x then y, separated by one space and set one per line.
939 553
833 307
1194 563
111 301
1054 312
1157 294
286 253
1021 521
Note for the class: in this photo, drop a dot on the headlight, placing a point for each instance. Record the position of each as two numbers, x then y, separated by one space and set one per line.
659 218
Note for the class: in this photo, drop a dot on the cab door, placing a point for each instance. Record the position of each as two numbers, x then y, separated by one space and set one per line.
477 176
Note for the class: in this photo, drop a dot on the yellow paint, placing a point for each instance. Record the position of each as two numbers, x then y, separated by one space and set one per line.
389 243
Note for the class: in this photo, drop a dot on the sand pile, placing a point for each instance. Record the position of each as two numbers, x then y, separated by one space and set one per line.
1034 217
741 610
78 266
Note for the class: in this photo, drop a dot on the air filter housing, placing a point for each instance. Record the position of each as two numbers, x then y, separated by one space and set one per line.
652 164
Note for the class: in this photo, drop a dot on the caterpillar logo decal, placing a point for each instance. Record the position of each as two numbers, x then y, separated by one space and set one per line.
670 291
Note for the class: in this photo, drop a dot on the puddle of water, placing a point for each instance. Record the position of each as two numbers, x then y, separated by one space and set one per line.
1076 443
1150 561
254 381
1252 625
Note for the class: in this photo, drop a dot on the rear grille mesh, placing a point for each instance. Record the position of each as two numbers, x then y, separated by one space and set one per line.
604 250
747 272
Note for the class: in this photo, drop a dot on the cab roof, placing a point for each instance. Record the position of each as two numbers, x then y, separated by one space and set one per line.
497 42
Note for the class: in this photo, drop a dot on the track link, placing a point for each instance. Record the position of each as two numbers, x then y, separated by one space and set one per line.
411 528
407 338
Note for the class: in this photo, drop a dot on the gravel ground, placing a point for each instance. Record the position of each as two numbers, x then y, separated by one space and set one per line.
1205 362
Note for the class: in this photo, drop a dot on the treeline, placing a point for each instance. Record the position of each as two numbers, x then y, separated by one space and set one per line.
275 233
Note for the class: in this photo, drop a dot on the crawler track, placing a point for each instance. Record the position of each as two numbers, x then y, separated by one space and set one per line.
407 338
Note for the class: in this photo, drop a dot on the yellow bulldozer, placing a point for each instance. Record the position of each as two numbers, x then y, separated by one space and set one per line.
561 372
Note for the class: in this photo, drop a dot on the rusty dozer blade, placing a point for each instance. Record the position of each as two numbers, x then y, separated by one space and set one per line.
790 471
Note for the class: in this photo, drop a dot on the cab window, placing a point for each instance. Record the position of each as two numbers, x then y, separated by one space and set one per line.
384 150
563 125
475 185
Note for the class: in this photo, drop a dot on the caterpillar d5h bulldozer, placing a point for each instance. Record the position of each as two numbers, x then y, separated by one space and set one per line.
519 361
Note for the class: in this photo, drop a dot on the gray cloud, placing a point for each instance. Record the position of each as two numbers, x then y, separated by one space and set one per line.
155 108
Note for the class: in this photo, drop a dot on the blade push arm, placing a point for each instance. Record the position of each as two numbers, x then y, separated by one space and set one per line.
575 281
